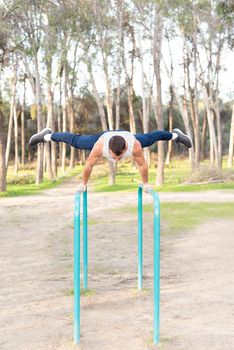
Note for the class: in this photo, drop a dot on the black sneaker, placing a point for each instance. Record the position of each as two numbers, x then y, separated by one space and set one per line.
39 137
182 138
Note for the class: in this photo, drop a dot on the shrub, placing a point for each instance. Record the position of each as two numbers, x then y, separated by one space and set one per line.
22 179
211 174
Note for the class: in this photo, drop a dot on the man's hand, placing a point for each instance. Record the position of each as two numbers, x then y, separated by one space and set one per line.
147 187
81 188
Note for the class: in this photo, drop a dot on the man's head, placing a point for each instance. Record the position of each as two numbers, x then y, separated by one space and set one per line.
117 146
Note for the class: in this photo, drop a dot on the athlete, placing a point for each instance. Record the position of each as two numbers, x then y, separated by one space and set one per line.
113 145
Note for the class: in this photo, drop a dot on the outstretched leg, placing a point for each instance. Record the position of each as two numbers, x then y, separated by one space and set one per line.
177 135
150 138
85 142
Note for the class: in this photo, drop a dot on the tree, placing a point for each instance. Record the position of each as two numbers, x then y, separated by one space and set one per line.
12 116
2 155
23 148
231 141
7 47
157 47
128 38
28 31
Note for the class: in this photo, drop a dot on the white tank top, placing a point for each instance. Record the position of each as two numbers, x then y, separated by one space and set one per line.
128 137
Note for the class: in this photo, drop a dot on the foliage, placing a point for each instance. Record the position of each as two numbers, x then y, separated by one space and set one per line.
21 179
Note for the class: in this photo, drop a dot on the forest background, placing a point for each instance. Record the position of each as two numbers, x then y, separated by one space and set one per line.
88 66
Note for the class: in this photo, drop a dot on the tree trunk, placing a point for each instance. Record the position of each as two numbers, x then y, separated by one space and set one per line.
117 108
65 98
111 180
40 124
23 126
219 134
59 111
195 123
145 110
120 31
186 87
112 167
231 141
193 113
108 95
82 156
170 122
72 127
182 112
132 123
129 79
157 46
16 140
203 139
215 104
3 182
48 145
97 98
195 94
210 118
53 145
11 118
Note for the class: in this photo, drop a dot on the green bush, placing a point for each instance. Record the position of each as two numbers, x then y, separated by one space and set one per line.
22 179
209 174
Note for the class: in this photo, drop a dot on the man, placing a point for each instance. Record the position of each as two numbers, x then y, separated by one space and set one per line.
113 145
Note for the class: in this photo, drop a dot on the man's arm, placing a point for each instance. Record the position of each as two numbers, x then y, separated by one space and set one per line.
139 158
94 157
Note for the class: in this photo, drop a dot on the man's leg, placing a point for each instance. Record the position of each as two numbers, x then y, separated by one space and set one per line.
176 135
85 142
150 138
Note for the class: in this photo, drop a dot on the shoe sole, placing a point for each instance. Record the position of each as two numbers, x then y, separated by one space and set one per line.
36 135
181 132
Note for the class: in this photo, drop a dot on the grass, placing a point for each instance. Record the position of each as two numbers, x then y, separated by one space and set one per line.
22 189
175 177
83 292
26 189
186 216
178 217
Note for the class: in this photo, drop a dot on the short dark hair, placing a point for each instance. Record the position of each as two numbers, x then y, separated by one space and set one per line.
117 144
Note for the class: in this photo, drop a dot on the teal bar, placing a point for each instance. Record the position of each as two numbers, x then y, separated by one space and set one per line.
77 270
140 255
85 240
140 245
156 268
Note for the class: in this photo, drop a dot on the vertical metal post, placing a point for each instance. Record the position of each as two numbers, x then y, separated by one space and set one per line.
140 250
85 240
77 270
140 229
156 268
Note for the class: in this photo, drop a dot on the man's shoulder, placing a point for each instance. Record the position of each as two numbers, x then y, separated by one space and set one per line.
98 147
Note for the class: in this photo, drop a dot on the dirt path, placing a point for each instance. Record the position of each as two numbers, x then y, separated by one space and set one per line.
36 268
